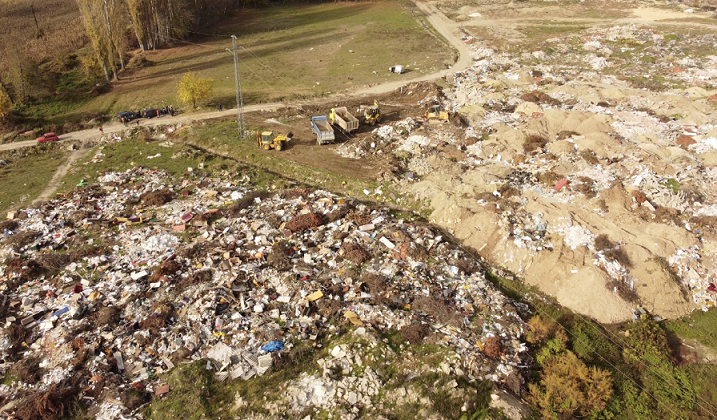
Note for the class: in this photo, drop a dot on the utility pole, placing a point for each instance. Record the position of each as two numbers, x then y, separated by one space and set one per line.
237 84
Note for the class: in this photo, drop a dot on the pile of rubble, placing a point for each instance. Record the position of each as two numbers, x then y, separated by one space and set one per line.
108 287
556 154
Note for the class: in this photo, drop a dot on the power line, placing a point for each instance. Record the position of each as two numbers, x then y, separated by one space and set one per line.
261 62
256 57
203 33
261 79
237 80
280 79
613 366
647 363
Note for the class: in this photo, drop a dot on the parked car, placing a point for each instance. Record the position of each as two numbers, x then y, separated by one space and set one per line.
47 137
128 116
151 113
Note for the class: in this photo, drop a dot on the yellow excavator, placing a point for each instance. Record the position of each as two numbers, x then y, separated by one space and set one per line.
436 114
371 114
267 140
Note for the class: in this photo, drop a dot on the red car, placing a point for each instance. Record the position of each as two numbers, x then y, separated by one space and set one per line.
47 137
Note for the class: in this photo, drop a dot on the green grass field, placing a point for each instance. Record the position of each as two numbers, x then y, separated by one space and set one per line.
173 158
25 174
286 53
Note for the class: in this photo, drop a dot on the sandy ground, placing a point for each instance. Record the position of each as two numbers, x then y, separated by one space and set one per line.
572 274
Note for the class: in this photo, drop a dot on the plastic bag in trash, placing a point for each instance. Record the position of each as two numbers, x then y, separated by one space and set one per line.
273 346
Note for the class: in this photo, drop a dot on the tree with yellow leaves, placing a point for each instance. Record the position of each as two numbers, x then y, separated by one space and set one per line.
193 89
105 22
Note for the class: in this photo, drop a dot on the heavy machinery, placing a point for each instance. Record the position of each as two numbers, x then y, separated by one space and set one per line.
268 140
436 114
371 114
323 130
342 118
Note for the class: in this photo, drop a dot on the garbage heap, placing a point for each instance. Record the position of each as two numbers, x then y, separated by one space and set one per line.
118 282
553 153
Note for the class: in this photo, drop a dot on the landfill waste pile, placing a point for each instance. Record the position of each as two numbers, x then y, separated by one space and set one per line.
116 283
594 185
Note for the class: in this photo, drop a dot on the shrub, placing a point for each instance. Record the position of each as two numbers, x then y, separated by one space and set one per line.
569 388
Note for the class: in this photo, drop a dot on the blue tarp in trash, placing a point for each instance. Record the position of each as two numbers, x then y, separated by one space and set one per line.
273 346
61 311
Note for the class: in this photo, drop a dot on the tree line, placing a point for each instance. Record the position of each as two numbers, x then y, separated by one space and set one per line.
153 23
32 34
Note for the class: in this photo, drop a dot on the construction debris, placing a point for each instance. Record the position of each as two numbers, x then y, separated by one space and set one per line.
151 297
556 154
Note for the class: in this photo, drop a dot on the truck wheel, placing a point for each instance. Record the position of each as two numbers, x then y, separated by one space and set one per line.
278 148
373 122
266 147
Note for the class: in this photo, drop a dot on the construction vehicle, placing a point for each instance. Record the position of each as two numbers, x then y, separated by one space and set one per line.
436 114
342 118
323 130
371 114
267 140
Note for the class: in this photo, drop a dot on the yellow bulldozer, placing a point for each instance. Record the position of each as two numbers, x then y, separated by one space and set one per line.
371 114
436 114
267 140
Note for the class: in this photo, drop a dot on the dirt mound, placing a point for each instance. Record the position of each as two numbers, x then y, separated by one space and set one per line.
539 98
201 276
47 405
109 315
358 218
295 193
493 348
21 239
304 221
415 333
278 256
355 253
244 203
165 270
437 310
157 198
27 370
159 318
9 225
53 262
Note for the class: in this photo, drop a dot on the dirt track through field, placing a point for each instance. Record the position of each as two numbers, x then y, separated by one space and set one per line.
54 183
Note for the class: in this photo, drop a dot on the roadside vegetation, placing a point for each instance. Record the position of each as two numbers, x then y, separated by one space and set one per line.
623 371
